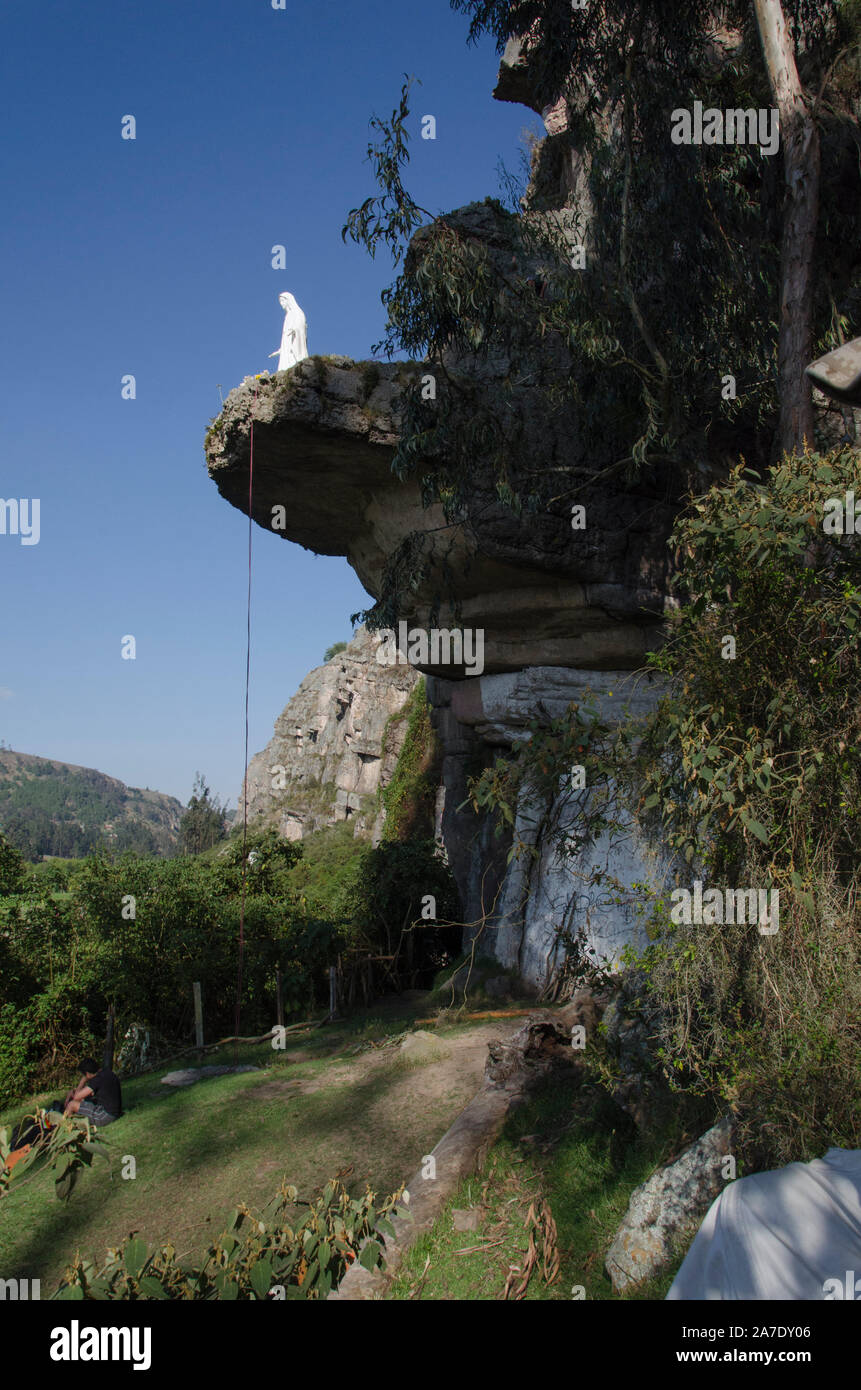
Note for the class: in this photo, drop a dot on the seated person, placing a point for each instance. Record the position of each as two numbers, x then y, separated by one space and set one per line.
98 1097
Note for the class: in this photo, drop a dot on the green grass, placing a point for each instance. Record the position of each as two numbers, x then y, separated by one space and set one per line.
582 1156
202 1150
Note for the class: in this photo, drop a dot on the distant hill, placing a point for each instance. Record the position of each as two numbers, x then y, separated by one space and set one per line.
49 807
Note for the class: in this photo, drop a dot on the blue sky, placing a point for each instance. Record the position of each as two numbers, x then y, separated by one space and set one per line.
152 257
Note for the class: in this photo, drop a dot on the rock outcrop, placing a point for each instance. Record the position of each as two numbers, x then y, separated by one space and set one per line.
543 594
665 1208
562 608
522 904
335 744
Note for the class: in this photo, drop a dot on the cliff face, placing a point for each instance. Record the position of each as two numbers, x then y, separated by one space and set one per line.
335 743
562 609
521 905
324 437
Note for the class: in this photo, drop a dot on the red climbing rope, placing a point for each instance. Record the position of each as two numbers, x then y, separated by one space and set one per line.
245 775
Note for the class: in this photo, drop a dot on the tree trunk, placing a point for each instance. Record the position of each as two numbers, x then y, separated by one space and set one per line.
108 1050
799 139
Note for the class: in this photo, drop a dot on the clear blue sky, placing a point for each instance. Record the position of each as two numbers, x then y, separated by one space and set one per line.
152 257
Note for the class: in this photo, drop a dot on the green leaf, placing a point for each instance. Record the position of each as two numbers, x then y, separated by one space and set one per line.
370 1256
261 1278
758 830
64 1183
151 1287
97 1149
134 1257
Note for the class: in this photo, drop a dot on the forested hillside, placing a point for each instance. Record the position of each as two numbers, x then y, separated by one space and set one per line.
49 807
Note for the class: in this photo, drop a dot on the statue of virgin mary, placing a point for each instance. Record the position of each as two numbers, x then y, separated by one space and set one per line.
294 337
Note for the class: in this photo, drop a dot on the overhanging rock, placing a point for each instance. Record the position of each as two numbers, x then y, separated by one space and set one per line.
324 438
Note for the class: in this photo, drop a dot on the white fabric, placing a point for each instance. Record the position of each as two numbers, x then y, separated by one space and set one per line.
780 1235
294 337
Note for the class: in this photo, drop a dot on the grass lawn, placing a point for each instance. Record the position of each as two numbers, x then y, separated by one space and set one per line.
561 1147
200 1150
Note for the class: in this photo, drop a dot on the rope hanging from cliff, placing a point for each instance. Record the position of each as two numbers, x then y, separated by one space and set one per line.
245 773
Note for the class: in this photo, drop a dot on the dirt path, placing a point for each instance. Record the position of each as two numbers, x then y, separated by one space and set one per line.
459 1068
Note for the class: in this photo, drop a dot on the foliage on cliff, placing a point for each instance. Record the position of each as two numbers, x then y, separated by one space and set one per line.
409 796
750 774
608 343
753 769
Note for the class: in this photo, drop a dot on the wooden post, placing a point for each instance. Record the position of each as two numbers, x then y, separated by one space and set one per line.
279 1002
198 1015
333 976
108 1053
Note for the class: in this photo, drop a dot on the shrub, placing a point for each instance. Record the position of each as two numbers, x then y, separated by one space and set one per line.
752 769
304 1259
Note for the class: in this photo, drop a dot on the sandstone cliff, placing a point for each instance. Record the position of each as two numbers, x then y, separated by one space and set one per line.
335 744
563 610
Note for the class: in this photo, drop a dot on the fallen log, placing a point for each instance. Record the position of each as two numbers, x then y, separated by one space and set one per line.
485 1013
291 1030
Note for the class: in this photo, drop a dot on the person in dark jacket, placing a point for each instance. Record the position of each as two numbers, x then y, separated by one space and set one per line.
98 1097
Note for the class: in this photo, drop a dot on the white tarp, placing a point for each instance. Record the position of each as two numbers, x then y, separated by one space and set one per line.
783 1234
294 336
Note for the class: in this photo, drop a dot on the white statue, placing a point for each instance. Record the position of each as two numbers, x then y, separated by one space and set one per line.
294 338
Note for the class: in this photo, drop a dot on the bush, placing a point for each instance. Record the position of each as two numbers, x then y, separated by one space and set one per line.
753 772
390 910
19 1041
302 1260
11 868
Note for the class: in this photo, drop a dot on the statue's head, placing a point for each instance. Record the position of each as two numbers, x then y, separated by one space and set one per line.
287 301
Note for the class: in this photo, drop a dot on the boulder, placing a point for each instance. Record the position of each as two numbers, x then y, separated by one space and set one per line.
189 1075
673 1199
422 1046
